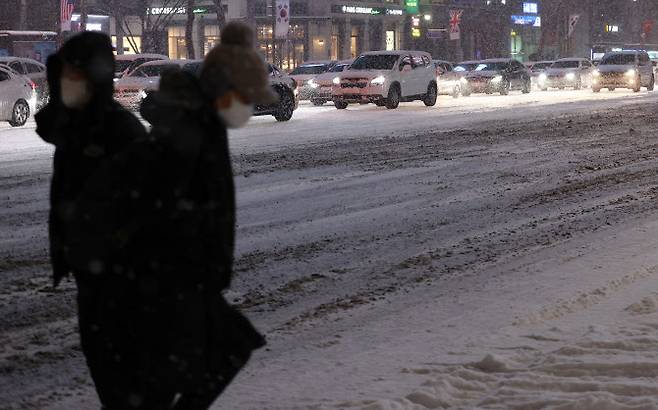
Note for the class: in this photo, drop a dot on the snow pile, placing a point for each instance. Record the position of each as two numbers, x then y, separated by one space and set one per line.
607 369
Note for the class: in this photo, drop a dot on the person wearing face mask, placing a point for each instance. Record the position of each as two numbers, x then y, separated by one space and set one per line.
87 129
172 225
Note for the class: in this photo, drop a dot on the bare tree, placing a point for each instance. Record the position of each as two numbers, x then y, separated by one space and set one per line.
221 16
189 29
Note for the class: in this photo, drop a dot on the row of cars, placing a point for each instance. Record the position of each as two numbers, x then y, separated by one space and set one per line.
386 78
138 75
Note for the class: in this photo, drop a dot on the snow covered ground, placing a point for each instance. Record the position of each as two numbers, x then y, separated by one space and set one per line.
488 253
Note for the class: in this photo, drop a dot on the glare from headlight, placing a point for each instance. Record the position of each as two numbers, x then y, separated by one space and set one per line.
497 79
378 80
596 73
542 77
336 80
142 94
571 76
311 83
463 80
631 72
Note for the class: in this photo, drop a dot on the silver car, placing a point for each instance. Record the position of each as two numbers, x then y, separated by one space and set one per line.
624 69
567 72
17 97
32 69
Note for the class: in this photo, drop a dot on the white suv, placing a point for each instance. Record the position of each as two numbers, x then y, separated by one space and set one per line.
386 78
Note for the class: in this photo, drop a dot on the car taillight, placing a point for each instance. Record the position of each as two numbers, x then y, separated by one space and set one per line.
33 85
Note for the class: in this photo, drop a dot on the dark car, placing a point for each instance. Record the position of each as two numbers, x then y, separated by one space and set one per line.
499 76
33 70
286 89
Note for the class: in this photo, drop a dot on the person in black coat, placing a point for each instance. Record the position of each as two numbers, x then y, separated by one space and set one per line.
87 129
169 232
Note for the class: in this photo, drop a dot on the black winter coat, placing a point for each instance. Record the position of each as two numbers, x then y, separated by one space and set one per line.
83 139
163 214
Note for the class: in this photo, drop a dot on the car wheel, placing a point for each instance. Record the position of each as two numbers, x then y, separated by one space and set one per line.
19 114
560 88
430 98
526 87
652 83
638 87
578 84
393 99
596 89
456 91
544 89
504 90
380 103
318 102
611 88
466 92
286 106
340 105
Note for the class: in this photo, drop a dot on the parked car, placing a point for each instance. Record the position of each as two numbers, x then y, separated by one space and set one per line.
624 69
499 76
131 89
286 88
567 72
386 78
306 72
321 84
35 71
536 69
125 63
18 99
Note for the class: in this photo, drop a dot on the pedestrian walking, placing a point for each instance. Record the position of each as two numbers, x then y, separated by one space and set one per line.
87 128
170 234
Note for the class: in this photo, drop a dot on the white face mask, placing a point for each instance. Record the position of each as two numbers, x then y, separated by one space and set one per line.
75 94
237 115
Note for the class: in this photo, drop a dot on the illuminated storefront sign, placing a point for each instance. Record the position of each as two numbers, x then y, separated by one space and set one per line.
534 21
531 8
411 6
156 11
373 11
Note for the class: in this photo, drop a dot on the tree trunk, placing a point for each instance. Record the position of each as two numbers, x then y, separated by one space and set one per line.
83 15
189 28
221 17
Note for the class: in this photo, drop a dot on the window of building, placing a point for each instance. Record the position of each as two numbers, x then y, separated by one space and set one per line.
211 38
390 40
289 52
131 45
177 44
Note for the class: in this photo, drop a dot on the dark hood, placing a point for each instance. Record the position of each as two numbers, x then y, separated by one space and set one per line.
92 53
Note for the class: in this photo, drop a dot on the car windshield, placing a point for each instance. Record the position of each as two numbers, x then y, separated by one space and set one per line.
565 64
375 62
540 66
495 66
465 67
151 70
310 69
338 68
618 59
122 65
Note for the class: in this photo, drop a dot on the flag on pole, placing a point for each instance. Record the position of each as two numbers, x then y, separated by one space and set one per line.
282 18
455 19
573 20
65 14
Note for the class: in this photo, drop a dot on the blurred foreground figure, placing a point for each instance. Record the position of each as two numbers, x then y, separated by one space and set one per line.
87 128
165 210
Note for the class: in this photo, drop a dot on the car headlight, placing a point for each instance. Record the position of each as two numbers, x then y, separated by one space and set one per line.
497 79
336 80
311 83
142 94
542 77
570 76
596 73
378 80
463 80
631 72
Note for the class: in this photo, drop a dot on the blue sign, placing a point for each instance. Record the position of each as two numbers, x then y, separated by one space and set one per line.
530 8
534 21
